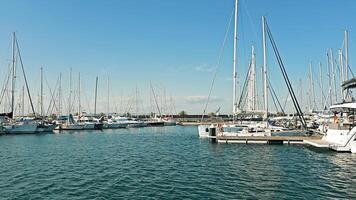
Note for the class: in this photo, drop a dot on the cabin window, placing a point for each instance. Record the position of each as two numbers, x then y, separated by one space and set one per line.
206 130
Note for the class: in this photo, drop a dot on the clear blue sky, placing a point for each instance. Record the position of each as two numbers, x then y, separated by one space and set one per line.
172 43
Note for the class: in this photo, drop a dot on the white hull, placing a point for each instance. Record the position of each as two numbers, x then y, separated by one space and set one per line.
341 140
203 131
236 130
21 128
71 127
89 126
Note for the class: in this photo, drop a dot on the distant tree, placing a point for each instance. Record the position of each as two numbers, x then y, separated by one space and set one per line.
182 113
211 114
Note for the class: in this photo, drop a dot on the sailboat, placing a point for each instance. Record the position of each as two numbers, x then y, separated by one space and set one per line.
246 128
341 131
67 122
21 125
43 125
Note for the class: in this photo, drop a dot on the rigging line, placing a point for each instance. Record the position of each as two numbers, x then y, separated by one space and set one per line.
275 95
3 91
24 75
218 63
52 97
243 92
286 79
349 67
250 20
322 92
273 99
285 102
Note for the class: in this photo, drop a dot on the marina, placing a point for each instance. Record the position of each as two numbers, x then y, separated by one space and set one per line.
203 99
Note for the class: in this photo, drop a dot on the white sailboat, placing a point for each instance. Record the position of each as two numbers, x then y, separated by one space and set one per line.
341 131
20 126
236 129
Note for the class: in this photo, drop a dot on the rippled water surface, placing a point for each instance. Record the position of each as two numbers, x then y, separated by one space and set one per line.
167 163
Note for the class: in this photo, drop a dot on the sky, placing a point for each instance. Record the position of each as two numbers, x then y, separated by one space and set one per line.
172 45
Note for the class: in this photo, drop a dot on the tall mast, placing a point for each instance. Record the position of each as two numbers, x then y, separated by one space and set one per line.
342 74
253 80
13 74
234 95
346 55
41 108
154 96
108 105
330 78
265 88
60 95
96 94
333 69
312 87
79 103
70 92
321 86
136 100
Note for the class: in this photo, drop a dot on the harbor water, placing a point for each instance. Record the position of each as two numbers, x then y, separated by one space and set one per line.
167 163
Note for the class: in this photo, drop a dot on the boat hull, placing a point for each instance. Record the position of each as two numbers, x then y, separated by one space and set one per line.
21 128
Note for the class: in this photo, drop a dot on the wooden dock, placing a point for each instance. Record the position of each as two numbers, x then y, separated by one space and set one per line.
265 139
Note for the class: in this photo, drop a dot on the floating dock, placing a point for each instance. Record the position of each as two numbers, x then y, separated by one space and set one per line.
266 139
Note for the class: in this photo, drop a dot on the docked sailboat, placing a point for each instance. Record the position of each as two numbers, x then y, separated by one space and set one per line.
341 131
21 125
263 128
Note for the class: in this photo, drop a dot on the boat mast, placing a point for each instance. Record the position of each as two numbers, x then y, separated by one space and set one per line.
252 81
346 55
265 88
154 96
312 87
60 95
13 75
333 76
96 94
346 92
70 93
342 73
321 87
330 78
41 108
234 95
79 103
108 105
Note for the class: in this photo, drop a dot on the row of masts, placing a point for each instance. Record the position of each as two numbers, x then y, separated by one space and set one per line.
338 71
